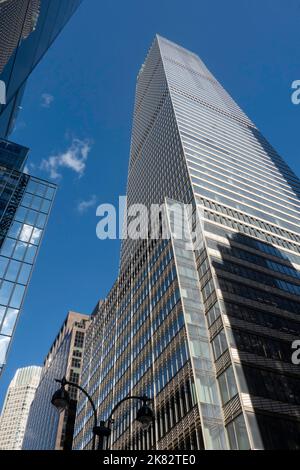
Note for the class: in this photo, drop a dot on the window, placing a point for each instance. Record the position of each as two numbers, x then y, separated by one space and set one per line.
76 362
79 339
227 384
237 434
219 344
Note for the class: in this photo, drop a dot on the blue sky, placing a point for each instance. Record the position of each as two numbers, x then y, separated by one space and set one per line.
79 102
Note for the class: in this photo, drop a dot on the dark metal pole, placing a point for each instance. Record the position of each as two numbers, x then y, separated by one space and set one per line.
103 432
64 382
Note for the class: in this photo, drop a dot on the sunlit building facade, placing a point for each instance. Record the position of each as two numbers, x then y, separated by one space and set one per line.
47 429
206 332
16 407
27 30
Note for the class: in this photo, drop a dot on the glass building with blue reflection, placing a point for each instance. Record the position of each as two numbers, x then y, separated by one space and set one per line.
25 204
27 30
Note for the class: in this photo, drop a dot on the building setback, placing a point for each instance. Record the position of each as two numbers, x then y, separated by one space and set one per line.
16 407
47 429
206 332
27 30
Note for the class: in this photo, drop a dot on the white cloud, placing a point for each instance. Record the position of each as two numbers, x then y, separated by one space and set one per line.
74 158
83 206
46 100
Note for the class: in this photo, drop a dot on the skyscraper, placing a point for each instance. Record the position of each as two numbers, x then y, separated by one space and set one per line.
206 332
47 429
18 21
27 30
25 205
16 407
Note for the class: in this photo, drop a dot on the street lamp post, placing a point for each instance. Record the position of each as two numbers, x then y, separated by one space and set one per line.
61 400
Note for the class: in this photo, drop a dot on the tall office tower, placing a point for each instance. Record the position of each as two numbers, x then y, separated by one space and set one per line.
46 428
25 205
201 323
18 21
16 407
27 30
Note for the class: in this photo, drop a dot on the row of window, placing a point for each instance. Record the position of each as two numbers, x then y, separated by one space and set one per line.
267 384
278 433
237 202
257 276
157 273
169 332
141 368
244 239
263 201
253 258
252 232
204 154
169 368
259 296
163 286
175 408
161 315
262 318
210 169
262 345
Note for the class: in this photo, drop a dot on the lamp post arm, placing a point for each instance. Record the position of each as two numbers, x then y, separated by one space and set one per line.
132 397
66 382
144 399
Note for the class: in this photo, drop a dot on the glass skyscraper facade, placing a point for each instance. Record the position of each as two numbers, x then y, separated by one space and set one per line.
25 204
207 332
47 429
27 30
